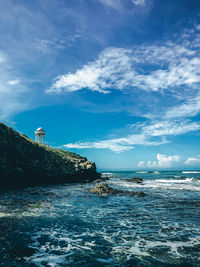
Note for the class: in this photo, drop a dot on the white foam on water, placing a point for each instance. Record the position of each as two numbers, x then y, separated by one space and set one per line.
47 252
108 174
138 250
189 184
51 260
137 246
174 246
179 181
143 247
142 172
190 171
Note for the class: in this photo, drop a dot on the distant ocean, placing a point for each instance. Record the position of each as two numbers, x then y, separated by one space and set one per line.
64 225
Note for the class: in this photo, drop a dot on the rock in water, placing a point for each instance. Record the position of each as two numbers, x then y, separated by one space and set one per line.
137 180
25 162
105 189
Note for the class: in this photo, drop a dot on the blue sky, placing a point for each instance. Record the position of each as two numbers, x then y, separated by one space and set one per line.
114 80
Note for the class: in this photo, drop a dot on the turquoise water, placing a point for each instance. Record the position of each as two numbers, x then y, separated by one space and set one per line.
64 225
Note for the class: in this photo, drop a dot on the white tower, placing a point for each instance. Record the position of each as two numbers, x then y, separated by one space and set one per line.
40 135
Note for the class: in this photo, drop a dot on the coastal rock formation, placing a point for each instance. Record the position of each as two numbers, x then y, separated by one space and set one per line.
105 189
137 180
25 162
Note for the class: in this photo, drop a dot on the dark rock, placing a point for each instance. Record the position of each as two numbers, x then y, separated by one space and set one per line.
136 193
21 251
137 180
25 162
105 189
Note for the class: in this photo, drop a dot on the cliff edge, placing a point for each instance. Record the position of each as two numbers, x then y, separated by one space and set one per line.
25 162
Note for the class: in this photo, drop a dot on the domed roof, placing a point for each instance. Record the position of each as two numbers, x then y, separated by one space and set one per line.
40 130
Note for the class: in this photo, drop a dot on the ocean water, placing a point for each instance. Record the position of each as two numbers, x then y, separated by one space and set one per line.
64 225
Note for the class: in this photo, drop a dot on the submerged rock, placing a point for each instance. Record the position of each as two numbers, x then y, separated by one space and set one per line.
25 162
105 189
137 180
101 179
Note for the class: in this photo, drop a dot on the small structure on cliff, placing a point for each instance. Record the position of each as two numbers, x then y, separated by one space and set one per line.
40 135
20 158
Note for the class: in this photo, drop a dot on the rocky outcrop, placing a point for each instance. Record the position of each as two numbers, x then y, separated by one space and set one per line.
25 162
105 189
137 180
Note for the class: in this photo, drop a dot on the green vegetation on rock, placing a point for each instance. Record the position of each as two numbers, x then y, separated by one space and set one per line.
23 161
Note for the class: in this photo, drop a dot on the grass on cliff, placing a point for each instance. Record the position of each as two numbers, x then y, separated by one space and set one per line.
61 152
10 136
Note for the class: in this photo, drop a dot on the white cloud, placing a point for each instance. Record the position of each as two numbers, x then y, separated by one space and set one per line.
14 82
113 145
163 161
140 164
167 161
169 66
193 161
118 144
108 71
139 2
153 134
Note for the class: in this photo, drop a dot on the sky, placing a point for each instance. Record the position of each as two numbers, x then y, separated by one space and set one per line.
117 81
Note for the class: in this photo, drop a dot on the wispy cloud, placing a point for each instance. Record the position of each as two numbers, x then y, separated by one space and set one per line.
64 43
189 108
170 128
108 71
139 2
147 135
118 144
169 66
116 4
119 4
14 82
11 101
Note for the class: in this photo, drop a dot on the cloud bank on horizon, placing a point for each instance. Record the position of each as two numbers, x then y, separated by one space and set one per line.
136 59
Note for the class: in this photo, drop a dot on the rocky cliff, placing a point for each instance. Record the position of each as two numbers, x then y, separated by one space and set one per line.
25 162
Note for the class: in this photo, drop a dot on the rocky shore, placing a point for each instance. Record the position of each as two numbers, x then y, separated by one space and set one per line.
25 162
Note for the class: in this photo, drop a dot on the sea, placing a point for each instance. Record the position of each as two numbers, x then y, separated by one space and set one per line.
65 225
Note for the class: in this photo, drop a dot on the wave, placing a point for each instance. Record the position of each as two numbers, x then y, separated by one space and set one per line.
107 174
175 180
142 172
189 184
190 171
